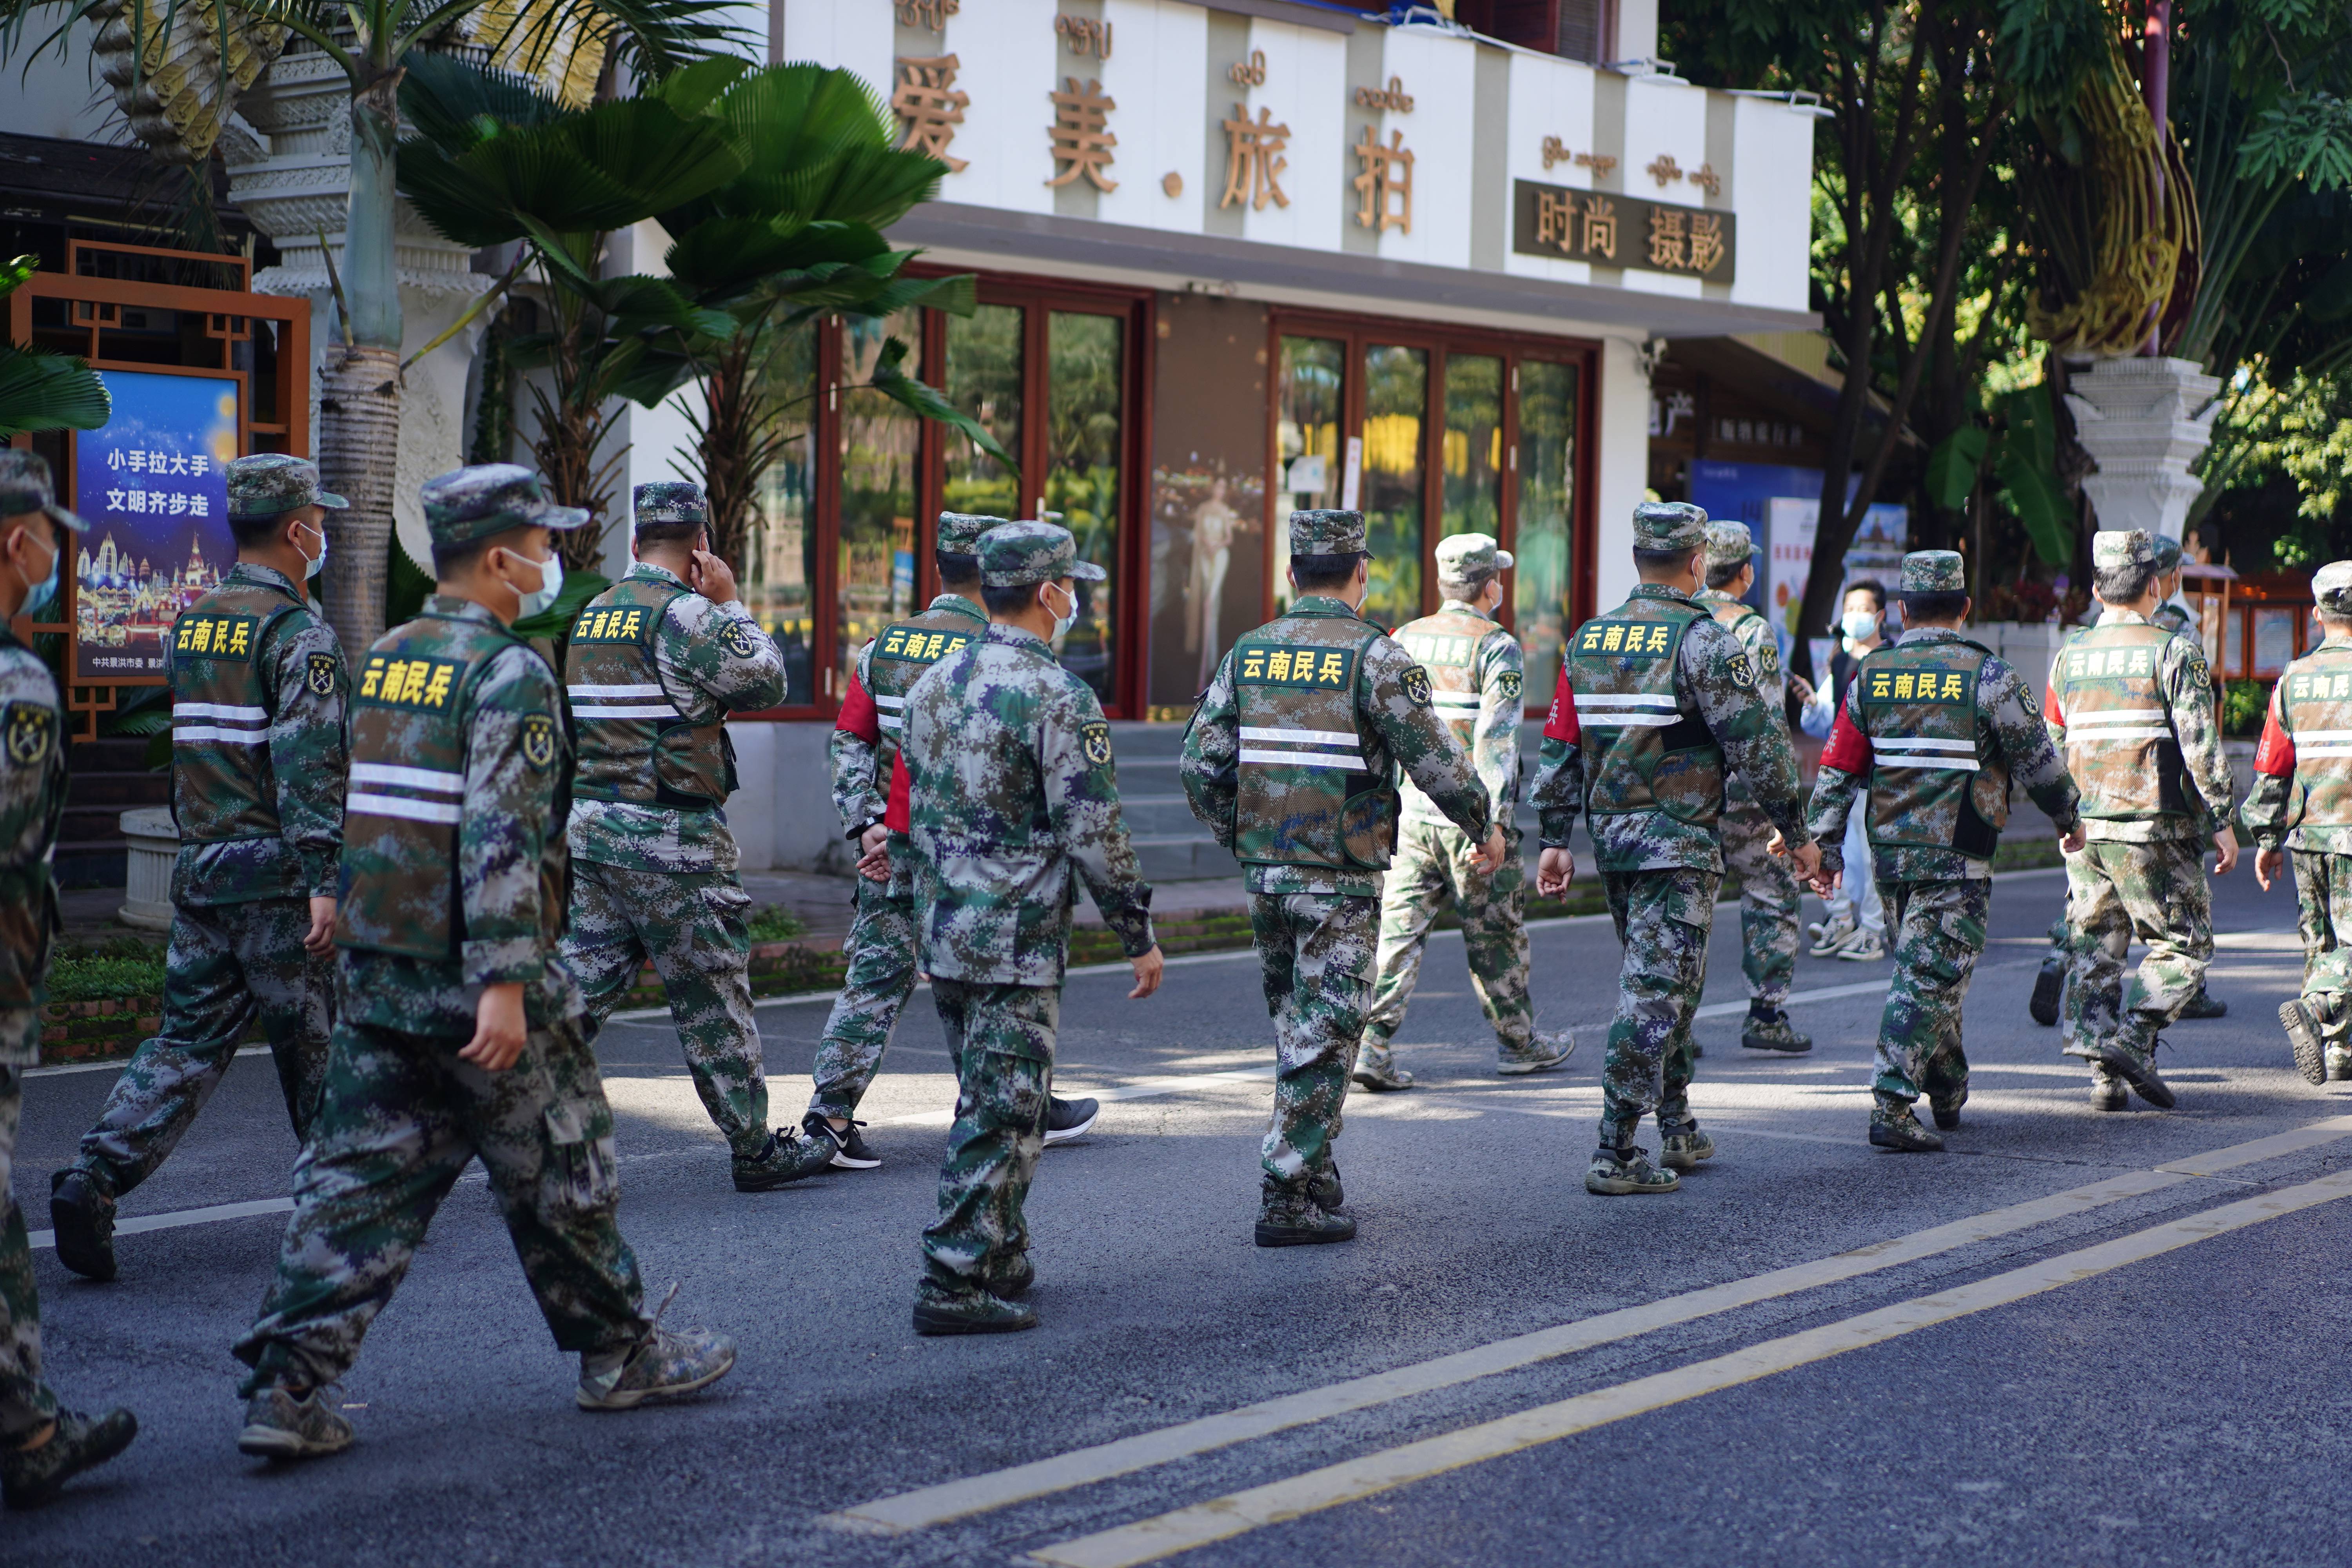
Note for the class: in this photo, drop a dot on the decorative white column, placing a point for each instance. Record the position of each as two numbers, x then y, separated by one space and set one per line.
2145 421
289 171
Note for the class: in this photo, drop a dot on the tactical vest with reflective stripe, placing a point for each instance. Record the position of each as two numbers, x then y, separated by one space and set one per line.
411 711
1446 645
2315 710
901 654
1931 785
222 784
634 744
1642 750
1308 794
2119 741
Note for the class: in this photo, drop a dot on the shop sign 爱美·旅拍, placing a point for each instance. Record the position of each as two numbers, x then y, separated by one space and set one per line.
1611 230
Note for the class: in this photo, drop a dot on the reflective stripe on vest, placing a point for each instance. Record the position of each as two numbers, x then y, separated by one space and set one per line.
1308 793
635 745
223 787
1931 787
1641 751
2119 741
2314 701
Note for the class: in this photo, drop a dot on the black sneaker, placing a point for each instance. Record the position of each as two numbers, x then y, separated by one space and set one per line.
1068 1118
84 1218
282 1425
2205 1005
942 1312
1769 1030
2048 987
849 1150
784 1158
80 1443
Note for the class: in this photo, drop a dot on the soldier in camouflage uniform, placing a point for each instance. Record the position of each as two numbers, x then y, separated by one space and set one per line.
2049 984
2302 801
1289 760
653 668
460 1034
1015 801
1474 673
1769 926
257 690
2131 706
1657 701
1933 734
42 1443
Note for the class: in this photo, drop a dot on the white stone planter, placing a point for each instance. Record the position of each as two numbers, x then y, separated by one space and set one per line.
155 840
2145 421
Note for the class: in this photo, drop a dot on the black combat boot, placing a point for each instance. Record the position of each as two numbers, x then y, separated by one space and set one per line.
2048 987
1893 1127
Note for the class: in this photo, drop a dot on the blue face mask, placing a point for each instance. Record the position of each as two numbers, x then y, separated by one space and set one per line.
1860 624
46 589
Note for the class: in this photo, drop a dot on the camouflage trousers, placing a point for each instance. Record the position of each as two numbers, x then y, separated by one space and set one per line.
1936 931
1001 1037
1315 960
1433 867
2158 893
879 977
691 923
401 1119
1664 918
25 1403
228 965
1769 926
2322 895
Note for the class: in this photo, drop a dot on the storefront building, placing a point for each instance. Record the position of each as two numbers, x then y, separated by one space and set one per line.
1244 256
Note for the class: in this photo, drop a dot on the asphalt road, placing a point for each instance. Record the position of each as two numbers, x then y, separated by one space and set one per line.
2073 1338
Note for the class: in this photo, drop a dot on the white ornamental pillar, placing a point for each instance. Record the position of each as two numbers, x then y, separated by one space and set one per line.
2144 421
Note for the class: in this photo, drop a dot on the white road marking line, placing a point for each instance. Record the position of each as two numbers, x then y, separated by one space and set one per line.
938 1504
1221 1519
117 1065
1147 1089
175 1219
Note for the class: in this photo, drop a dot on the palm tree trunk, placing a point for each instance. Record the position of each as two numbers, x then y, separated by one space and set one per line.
359 402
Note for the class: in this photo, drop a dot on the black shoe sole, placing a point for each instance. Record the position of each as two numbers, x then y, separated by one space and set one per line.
1881 1139
1293 1235
2144 1080
2048 986
1380 1086
930 1321
1064 1134
80 1248
770 1183
1749 1042
2302 1032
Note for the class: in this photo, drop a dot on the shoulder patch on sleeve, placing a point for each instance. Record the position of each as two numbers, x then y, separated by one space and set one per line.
1510 684
1094 739
539 741
737 639
1742 670
31 733
318 674
1415 681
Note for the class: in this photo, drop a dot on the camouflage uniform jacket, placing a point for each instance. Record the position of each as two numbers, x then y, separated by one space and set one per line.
1015 801
303 687
2183 686
1477 690
32 804
2172 617
2007 733
2302 797
1401 733
1755 634
864 738
513 867
1716 678
713 659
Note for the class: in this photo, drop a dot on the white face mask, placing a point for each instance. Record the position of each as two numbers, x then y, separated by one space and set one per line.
550 584
1062 624
38 595
1860 624
317 563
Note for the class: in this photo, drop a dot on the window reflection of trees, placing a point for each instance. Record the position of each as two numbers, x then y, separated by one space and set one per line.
780 559
881 446
1544 537
1085 414
1307 425
1396 400
1474 445
984 380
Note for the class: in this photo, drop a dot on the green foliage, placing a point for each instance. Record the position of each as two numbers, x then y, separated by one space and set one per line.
1952 466
2243 703
41 391
124 969
773 922
406 585
2300 433
555 621
2025 463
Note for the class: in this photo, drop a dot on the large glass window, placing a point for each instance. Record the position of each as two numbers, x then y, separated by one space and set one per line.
985 380
780 565
1544 533
881 447
1085 379
1396 406
1309 406
1473 446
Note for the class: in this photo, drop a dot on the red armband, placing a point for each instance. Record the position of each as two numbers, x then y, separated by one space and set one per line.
1560 723
899 815
2050 710
859 715
1849 749
2275 756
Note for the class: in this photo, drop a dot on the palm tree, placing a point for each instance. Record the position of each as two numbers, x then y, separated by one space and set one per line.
369 41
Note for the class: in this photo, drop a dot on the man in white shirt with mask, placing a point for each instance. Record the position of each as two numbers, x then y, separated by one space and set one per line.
1854 926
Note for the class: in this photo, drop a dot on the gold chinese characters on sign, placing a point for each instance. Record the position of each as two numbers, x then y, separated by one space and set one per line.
1253 160
1082 136
1085 35
1620 231
929 15
928 105
1384 187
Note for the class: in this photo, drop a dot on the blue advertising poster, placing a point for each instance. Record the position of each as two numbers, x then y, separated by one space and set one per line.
150 484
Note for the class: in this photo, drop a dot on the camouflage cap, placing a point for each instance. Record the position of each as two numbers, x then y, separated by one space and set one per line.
2332 586
1326 532
2122 547
1014 554
24 487
669 501
488 498
1729 544
960 531
1669 525
2168 553
271 484
1471 557
1933 572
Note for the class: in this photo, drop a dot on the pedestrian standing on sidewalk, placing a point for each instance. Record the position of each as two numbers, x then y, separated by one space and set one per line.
1853 926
